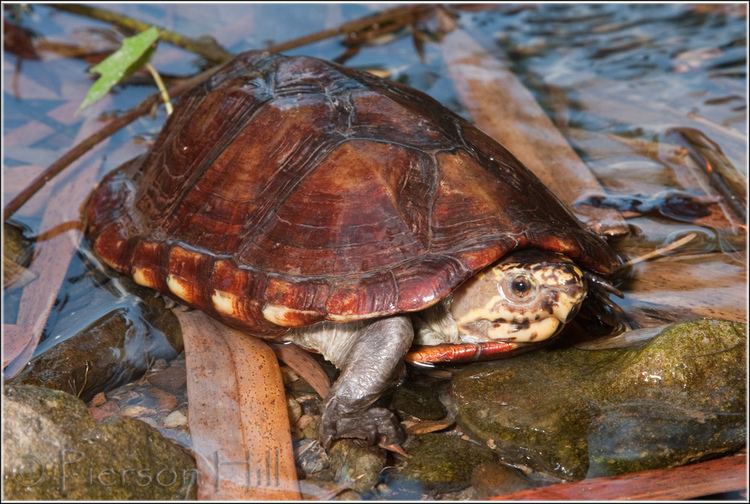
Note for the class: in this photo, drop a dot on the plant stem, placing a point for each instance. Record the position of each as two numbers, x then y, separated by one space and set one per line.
212 51
162 89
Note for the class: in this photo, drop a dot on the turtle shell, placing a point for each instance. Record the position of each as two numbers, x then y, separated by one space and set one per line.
289 190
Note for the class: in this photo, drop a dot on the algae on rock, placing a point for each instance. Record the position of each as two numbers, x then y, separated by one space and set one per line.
574 413
53 449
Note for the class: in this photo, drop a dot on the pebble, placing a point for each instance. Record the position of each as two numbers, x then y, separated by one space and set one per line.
135 411
294 409
175 419
311 457
493 478
171 379
165 400
98 399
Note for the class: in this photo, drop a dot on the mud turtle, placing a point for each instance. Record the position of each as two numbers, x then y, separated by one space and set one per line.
303 201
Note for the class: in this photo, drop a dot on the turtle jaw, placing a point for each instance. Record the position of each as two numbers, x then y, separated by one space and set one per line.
503 339
527 332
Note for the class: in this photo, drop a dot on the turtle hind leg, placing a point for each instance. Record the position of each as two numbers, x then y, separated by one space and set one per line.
370 367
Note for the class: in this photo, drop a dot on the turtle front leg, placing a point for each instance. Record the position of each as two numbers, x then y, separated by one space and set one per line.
368 368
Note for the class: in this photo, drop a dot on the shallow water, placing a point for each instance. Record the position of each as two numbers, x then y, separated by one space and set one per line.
614 79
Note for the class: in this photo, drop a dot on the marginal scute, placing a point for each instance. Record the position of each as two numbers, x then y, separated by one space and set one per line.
146 277
289 317
309 191
180 288
225 303
111 247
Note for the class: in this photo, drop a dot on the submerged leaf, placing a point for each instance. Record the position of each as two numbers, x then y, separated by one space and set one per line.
135 51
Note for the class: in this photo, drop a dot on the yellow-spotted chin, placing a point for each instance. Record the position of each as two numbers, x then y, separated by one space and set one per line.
526 298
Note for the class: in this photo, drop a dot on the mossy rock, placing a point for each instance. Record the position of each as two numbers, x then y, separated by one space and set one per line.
356 464
418 400
573 413
443 462
53 449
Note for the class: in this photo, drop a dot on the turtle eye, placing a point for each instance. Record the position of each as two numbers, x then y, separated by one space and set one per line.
519 288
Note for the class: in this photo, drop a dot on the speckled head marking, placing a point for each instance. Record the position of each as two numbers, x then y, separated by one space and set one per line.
526 298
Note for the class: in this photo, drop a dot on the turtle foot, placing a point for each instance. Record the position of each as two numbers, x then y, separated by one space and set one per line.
375 425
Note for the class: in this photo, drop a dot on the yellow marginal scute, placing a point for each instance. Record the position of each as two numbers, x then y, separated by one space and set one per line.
225 303
179 287
145 277
288 317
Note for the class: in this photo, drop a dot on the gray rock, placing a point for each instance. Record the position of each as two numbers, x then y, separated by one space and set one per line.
356 465
310 456
573 413
53 449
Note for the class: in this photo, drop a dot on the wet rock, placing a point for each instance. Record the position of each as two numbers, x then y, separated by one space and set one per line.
17 252
53 449
418 400
573 413
172 379
493 478
113 350
310 456
440 462
143 400
356 465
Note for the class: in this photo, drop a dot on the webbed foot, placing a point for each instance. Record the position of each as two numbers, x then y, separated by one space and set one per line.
374 425
371 366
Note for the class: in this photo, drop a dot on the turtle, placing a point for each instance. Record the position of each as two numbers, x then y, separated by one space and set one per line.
303 201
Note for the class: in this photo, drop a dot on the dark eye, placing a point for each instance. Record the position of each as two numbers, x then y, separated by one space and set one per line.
521 285
519 288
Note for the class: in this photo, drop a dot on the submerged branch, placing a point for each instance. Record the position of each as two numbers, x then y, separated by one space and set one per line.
392 15
209 49
661 251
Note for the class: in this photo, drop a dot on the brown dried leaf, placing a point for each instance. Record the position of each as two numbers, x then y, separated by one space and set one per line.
708 285
418 426
306 366
237 414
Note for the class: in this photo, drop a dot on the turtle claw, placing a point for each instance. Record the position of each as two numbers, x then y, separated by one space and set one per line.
375 425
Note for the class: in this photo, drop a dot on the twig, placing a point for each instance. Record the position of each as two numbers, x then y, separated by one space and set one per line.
81 148
388 15
162 90
212 52
661 251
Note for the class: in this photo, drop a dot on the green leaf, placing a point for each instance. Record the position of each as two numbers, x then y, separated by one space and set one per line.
134 53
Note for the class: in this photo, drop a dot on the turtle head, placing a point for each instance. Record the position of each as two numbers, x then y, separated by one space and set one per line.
525 298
